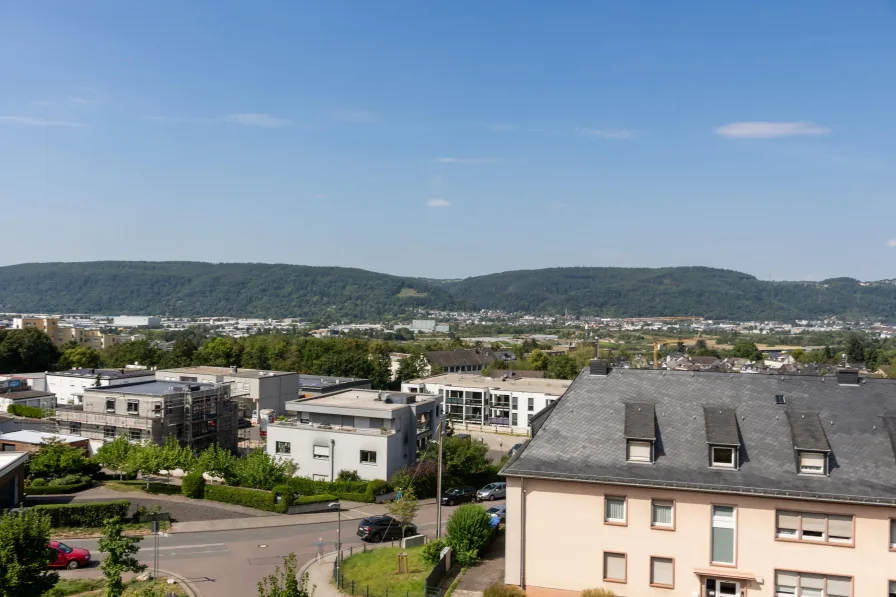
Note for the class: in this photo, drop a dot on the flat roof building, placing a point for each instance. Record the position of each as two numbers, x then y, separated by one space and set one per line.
374 433
69 385
31 441
707 484
12 478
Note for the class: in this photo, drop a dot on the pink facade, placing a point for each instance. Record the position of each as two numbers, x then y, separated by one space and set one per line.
558 543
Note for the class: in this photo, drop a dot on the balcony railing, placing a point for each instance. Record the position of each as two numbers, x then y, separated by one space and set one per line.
327 427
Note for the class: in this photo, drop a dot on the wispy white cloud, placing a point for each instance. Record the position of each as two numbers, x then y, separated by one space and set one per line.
32 121
771 130
361 116
498 127
457 160
892 243
621 134
257 119
438 203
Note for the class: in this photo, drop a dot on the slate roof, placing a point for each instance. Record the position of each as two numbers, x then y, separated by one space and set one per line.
721 426
459 358
807 431
640 421
583 436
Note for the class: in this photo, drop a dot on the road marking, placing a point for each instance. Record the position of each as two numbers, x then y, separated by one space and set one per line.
150 548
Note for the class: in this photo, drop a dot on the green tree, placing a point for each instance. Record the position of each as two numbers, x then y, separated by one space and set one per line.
56 459
468 532
23 555
121 556
115 455
745 349
260 470
217 462
405 509
285 583
220 352
146 458
855 348
410 367
562 367
26 350
460 456
539 360
81 357
174 456
381 374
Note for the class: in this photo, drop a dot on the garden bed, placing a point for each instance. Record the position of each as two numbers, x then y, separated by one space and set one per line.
376 571
95 587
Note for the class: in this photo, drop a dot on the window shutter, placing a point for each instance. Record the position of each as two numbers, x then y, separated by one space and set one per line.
812 581
639 451
813 522
614 566
786 579
788 520
662 571
839 586
840 527
322 451
812 461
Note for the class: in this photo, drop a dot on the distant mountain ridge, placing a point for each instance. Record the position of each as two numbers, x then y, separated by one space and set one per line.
184 288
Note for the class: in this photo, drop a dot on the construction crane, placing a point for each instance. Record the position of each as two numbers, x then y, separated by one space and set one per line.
656 355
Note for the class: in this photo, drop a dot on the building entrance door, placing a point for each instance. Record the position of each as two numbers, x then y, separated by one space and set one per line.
717 587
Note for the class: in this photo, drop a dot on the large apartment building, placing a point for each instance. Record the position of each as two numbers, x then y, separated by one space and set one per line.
373 433
197 414
69 385
59 335
683 484
510 401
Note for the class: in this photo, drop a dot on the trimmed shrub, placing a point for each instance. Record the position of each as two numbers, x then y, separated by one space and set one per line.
39 483
500 590
356 497
70 480
193 486
241 496
469 531
287 497
32 412
346 475
315 499
356 491
377 487
432 551
51 489
598 593
87 515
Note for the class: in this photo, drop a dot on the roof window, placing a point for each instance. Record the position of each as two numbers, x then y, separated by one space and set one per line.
640 432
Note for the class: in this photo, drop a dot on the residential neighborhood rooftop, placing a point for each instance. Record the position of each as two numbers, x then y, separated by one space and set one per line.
8 460
104 373
472 380
229 372
770 418
357 398
39 437
152 388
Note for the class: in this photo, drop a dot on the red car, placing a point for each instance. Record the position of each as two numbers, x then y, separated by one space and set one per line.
63 556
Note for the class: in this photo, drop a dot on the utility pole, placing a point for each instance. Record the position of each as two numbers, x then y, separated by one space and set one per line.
439 482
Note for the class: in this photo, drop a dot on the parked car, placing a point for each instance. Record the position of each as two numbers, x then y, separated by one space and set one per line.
458 495
492 491
243 424
514 449
499 512
382 528
63 556
465 436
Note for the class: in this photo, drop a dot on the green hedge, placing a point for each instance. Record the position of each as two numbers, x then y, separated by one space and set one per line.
356 491
287 497
241 496
32 412
88 515
193 486
54 489
315 499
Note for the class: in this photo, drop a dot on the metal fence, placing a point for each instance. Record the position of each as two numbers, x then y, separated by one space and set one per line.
359 589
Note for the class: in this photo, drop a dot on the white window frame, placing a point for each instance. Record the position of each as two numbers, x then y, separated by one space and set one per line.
368 462
724 523
279 445
316 477
893 533
813 470
640 443
135 402
662 525
607 500
732 463
317 452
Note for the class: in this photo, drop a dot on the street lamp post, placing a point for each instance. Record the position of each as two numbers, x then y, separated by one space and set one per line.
439 484
338 538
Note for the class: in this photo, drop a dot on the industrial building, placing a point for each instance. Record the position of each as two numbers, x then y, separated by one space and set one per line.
373 433
137 321
197 414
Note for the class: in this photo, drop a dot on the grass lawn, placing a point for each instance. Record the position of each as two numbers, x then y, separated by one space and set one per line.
378 569
93 587
130 528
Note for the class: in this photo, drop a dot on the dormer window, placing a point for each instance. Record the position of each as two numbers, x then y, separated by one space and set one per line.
640 451
724 456
813 463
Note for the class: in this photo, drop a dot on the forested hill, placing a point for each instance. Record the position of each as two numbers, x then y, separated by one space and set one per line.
639 292
181 288
335 293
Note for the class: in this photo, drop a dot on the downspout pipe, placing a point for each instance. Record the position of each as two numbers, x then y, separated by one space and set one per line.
332 460
523 533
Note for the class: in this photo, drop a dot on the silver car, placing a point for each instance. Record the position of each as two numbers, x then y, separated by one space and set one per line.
499 512
492 491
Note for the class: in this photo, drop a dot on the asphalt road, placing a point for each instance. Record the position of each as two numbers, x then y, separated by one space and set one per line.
230 563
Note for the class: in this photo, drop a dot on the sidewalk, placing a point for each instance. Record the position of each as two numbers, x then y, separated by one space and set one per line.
320 575
489 571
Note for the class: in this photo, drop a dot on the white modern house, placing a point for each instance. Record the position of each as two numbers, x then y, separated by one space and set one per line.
69 385
470 398
374 433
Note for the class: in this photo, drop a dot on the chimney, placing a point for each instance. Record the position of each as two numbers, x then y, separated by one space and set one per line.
596 352
848 377
599 367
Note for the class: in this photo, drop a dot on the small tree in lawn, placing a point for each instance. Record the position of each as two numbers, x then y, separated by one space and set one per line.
146 458
404 510
284 583
121 556
23 555
114 455
174 456
217 462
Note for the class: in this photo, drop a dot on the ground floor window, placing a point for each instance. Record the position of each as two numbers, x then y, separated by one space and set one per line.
135 435
282 447
368 457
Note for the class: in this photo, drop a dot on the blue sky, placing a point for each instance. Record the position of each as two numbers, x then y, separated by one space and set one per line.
448 139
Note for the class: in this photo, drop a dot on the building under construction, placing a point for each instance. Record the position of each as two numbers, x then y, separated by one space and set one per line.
197 414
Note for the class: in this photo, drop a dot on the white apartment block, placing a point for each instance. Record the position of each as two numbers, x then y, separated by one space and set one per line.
253 389
470 398
69 385
371 432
